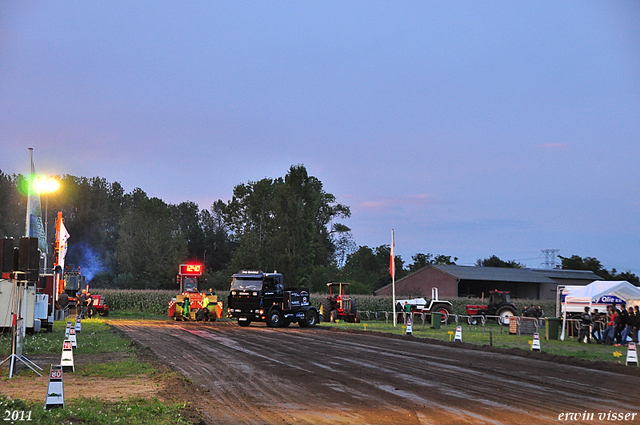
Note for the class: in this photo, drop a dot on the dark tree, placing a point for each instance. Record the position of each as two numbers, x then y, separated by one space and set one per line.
494 261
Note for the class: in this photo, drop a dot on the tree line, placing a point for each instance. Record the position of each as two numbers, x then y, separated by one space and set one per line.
289 224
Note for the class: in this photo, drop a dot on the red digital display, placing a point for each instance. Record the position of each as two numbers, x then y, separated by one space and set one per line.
191 269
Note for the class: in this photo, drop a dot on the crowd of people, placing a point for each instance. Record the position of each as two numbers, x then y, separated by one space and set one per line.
533 311
617 326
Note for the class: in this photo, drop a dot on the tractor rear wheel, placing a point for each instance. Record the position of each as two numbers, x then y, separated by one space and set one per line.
357 317
326 310
504 314
334 316
274 320
445 310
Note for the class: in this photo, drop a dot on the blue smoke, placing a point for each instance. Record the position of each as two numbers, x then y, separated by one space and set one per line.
83 255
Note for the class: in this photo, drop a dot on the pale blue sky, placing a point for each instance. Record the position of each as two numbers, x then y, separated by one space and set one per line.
472 128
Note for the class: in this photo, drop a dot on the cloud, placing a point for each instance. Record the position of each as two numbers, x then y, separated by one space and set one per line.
407 200
556 147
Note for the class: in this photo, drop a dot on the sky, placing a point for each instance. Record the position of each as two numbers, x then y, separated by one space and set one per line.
471 128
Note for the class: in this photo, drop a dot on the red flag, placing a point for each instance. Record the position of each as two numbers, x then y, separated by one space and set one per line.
392 264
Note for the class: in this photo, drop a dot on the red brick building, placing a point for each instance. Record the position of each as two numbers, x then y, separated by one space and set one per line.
462 281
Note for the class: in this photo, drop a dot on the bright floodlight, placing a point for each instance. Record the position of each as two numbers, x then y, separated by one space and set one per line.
47 184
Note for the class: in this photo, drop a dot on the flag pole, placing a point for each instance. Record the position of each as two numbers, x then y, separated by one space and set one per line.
29 188
392 269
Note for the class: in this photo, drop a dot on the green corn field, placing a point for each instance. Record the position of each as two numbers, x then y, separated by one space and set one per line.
155 301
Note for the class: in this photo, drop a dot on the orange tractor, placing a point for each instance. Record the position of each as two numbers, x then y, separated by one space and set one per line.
191 304
338 306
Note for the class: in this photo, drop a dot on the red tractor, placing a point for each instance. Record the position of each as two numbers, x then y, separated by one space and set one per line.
338 306
97 306
499 305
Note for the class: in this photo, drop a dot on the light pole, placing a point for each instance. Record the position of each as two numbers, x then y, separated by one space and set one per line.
46 185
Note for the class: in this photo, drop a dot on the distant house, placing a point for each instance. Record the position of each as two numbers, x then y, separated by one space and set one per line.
462 281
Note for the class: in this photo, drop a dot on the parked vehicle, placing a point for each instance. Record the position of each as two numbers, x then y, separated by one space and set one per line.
499 304
434 305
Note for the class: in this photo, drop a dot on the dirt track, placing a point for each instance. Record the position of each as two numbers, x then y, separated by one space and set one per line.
260 375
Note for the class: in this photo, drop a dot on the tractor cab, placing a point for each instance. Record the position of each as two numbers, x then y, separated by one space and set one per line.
341 301
189 277
499 297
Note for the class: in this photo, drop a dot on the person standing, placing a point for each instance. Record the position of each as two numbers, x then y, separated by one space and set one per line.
596 334
407 311
82 303
620 323
186 310
585 326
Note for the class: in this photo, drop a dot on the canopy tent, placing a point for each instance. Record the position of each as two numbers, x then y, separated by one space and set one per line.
606 292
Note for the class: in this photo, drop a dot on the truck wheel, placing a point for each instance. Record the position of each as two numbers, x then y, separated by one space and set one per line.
275 319
311 319
244 323
445 310
326 310
504 313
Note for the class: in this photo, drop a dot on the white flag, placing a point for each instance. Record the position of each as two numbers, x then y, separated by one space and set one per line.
63 236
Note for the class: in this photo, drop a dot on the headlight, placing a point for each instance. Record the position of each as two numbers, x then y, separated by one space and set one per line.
255 294
233 292
261 311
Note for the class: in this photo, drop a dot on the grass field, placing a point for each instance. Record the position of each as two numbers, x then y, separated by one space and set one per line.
498 336
97 338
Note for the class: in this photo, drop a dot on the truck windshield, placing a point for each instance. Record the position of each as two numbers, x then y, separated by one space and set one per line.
190 284
246 284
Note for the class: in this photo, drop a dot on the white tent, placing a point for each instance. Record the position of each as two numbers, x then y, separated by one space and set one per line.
606 292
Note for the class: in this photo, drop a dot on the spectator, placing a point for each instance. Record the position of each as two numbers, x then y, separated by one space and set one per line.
525 312
609 332
597 334
627 332
631 324
585 326
620 323
533 311
636 324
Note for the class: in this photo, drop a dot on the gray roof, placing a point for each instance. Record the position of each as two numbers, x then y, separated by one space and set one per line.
496 274
568 274
503 274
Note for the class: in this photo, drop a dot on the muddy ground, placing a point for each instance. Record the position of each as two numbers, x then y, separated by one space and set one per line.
260 375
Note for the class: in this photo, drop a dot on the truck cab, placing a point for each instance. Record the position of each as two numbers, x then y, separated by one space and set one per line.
256 296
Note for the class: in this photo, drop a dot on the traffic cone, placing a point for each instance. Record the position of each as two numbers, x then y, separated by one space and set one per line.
535 345
72 338
632 355
458 336
55 391
66 361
